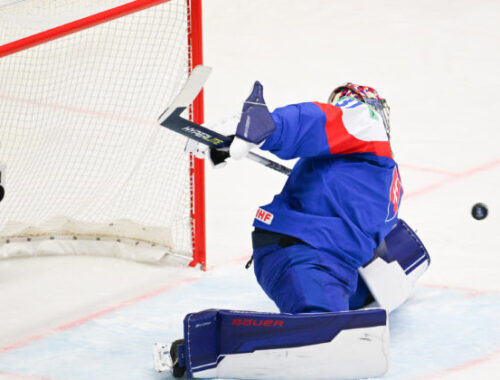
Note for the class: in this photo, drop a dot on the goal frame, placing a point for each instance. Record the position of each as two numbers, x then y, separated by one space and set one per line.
195 57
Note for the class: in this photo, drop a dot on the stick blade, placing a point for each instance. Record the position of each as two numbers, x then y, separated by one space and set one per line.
194 84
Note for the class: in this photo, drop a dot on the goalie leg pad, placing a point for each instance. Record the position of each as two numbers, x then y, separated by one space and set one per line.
243 345
399 261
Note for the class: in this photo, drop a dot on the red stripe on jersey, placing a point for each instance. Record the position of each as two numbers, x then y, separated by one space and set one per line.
341 141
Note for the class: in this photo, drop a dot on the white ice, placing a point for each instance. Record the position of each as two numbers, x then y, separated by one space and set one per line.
437 64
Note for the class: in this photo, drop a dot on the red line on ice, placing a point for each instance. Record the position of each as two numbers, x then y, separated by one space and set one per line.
99 313
424 169
77 110
461 367
471 291
24 377
452 178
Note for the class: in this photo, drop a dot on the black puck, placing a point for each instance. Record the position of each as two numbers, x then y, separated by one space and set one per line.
479 211
2 192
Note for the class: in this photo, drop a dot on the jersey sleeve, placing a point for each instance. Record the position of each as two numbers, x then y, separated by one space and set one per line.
316 129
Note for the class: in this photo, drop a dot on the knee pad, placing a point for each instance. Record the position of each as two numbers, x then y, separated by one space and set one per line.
398 263
303 279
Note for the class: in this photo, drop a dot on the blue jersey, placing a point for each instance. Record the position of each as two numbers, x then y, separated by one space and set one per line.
343 194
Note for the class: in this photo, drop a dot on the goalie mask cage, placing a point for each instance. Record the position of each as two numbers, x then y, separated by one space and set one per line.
85 165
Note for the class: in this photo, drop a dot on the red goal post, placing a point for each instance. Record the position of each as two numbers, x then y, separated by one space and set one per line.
14 235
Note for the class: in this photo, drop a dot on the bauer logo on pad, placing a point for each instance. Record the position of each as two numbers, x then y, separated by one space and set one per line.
257 322
264 216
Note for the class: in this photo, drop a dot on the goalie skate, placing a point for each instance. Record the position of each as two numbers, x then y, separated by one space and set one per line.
162 359
166 358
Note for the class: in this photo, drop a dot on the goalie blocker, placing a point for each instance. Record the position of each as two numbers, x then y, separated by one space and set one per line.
249 345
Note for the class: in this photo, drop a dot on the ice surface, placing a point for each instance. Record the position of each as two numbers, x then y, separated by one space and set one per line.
436 63
435 330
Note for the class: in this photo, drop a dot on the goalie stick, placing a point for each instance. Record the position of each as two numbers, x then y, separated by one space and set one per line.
171 118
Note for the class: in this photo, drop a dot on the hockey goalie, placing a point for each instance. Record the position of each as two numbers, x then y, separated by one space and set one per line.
329 250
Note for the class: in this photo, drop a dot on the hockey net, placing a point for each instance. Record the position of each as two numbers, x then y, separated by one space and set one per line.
86 167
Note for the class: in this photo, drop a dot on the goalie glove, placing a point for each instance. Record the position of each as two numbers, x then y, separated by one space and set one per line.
217 157
255 126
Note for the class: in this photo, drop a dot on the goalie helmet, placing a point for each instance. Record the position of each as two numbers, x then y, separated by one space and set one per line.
364 94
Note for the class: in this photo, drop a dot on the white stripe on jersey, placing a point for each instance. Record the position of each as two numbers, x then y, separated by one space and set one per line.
362 121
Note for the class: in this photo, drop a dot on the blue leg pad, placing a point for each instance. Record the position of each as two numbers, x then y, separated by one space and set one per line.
404 246
397 265
238 344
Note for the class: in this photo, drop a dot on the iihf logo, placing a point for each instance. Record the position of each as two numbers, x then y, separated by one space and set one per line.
264 216
394 195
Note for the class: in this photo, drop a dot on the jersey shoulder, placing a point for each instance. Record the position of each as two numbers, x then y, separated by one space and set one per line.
359 119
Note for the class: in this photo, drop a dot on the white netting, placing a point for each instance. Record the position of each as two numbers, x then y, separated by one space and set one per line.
82 153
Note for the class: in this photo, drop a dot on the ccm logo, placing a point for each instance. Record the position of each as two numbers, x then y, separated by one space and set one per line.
264 216
257 323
